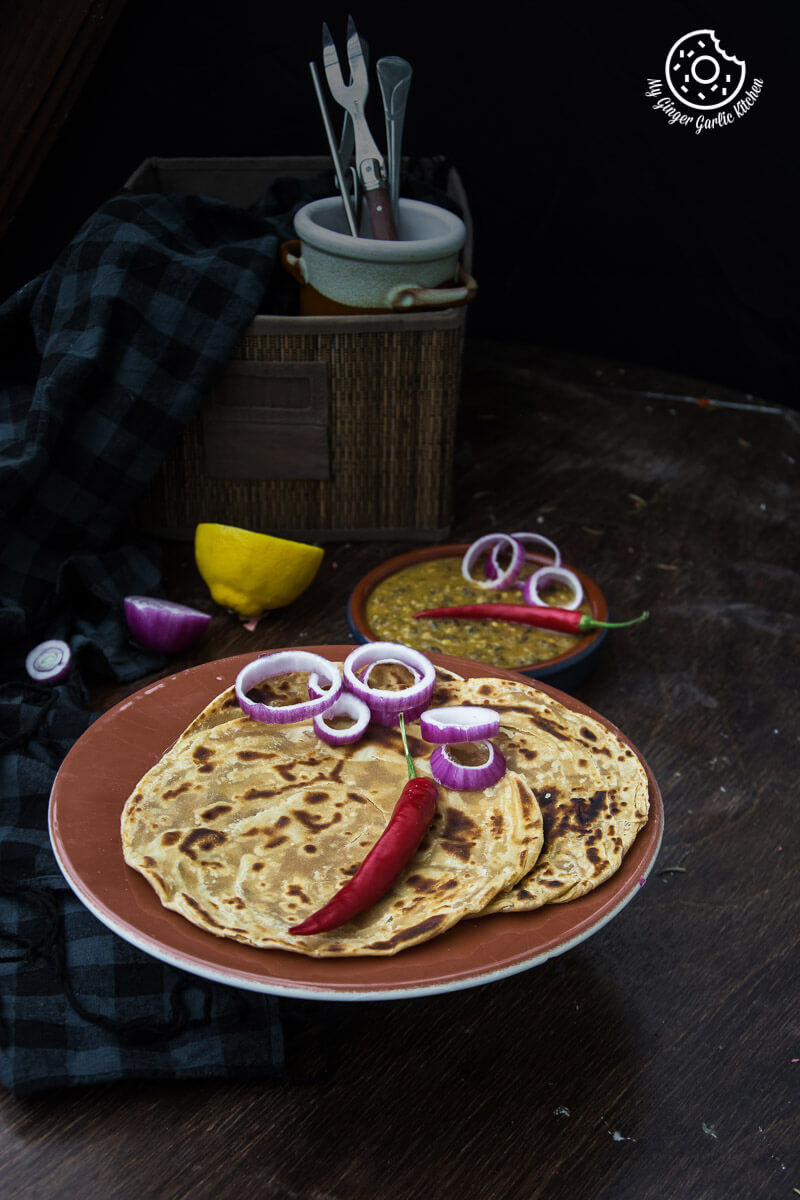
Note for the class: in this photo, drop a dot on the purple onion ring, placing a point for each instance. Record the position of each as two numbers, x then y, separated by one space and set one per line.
537 539
279 663
347 705
462 778
547 575
458 723
382 701
492 543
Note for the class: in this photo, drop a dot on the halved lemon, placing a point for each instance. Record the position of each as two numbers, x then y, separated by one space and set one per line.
252 572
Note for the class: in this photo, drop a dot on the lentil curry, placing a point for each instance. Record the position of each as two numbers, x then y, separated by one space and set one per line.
438 582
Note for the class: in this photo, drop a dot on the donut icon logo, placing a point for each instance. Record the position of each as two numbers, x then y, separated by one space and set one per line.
700 74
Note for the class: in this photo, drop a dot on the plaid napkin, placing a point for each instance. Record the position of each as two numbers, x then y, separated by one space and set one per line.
105 358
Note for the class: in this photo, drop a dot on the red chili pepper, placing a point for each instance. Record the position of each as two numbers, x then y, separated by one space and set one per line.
563 620
408 824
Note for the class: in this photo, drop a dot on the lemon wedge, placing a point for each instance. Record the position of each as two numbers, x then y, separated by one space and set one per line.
252 572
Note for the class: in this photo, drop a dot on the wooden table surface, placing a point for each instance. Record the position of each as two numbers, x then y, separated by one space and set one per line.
657 1059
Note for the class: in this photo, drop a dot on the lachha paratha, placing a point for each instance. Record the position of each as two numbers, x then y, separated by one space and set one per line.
591 788
246 828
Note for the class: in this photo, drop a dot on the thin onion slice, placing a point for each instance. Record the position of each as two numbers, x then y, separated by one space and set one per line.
315 688
388 662
381 717
163 625
547 575
463 778
49 662
279 663
458 723
384 701
492 544
538 539
410 714
347 705
393 719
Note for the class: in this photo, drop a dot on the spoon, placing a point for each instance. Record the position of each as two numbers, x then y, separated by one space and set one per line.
394 77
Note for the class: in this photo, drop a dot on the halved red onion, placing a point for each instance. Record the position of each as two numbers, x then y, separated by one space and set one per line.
385 701
163 625
347 705
463 778
279 663
49 662
458 723
493 544
545 575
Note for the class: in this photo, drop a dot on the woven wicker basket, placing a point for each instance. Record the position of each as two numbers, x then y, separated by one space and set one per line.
322 428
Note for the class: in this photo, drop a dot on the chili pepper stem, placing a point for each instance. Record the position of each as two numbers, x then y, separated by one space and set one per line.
412 774
586 622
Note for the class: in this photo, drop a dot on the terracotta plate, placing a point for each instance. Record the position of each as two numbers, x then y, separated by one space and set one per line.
103 767
566 671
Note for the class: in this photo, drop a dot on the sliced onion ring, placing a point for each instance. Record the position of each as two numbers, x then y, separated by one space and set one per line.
493 543
315 688
163 625
383 701
49 662
388 662
462 778
537 539
547 575
347 705
393 719
279 663
458 723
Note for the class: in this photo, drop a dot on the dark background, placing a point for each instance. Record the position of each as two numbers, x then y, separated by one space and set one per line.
599 227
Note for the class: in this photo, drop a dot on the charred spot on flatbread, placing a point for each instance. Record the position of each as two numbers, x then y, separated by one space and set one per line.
171 793
404 935
204 756
459 834
216 810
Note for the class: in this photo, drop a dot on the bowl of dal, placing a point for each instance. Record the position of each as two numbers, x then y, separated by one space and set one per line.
383 603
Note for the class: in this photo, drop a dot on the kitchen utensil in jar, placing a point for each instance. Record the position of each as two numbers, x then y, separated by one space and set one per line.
347 145
370 163
394 77
349 207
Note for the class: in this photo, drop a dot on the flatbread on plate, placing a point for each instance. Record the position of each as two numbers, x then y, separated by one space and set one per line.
246 828
590 785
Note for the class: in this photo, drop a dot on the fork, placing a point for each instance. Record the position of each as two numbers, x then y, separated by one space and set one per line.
369 161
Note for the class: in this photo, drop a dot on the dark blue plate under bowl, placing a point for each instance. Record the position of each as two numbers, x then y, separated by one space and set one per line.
564 672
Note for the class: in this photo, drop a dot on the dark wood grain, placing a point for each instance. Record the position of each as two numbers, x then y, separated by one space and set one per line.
46 53
656 1059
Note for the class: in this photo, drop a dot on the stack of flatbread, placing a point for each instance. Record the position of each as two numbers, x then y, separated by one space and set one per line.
247 828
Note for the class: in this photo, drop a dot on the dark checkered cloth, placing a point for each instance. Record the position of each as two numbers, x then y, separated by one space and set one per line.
104 360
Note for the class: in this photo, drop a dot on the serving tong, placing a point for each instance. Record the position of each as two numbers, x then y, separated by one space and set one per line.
372 182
